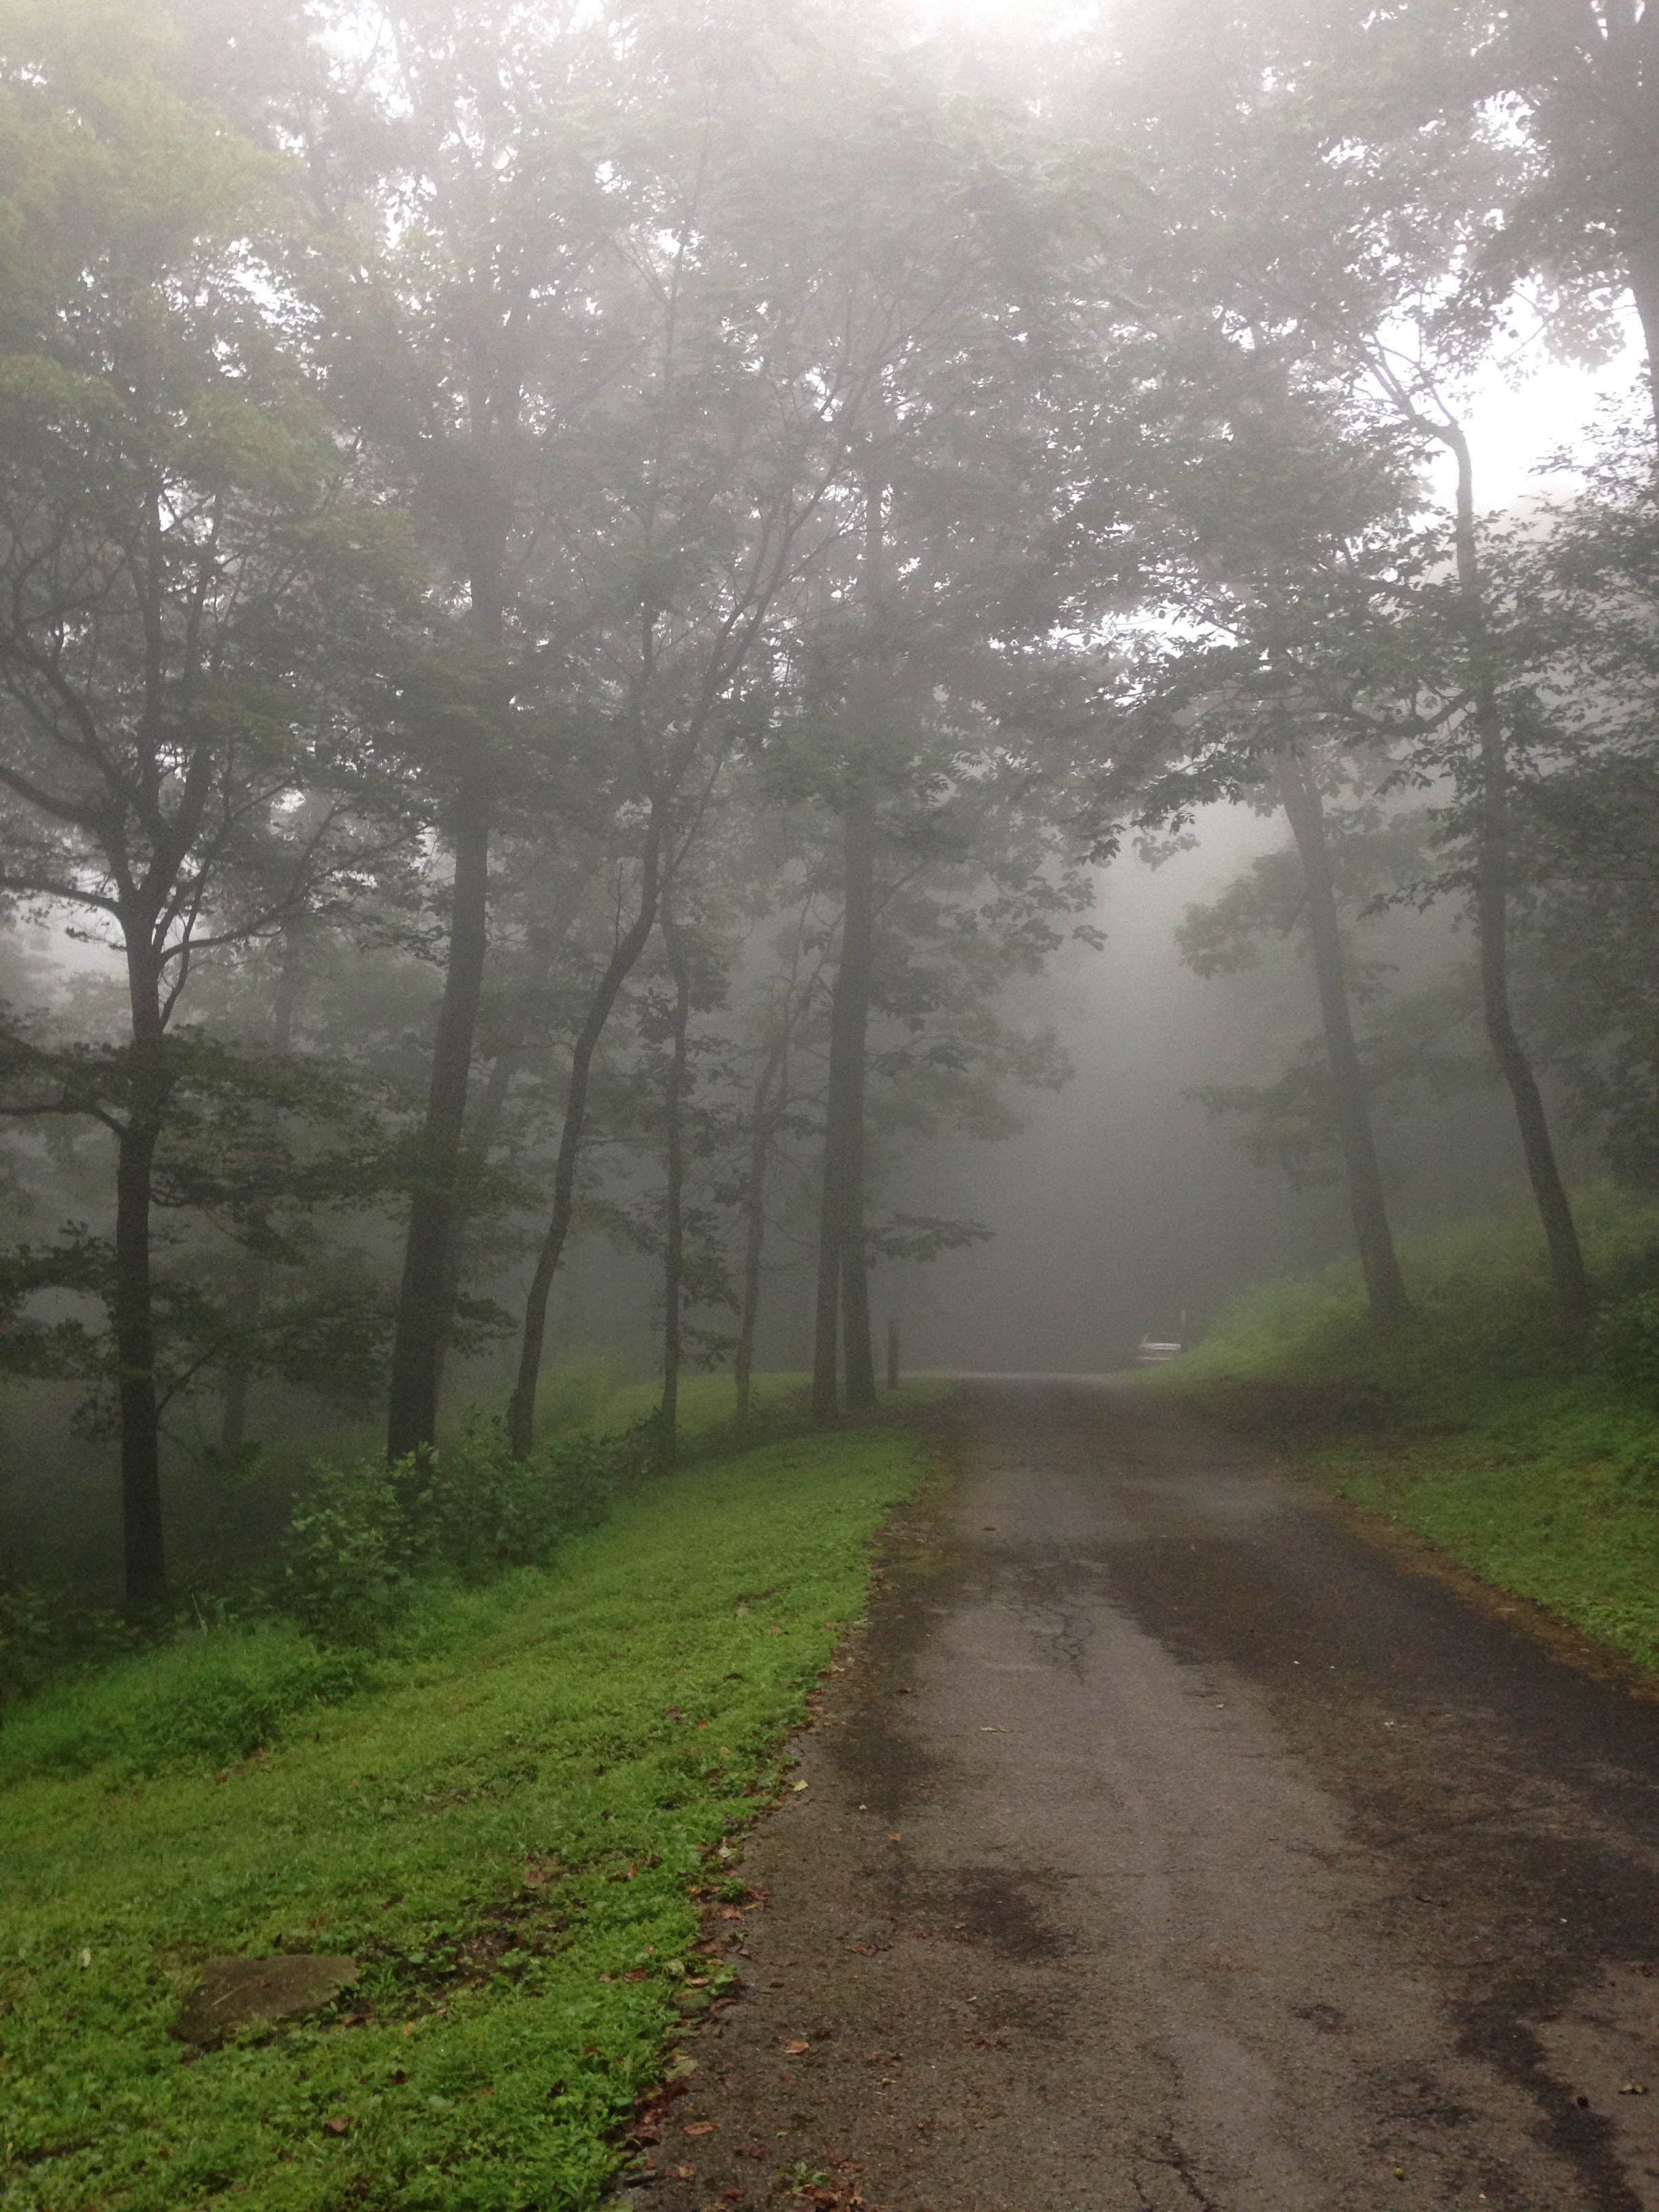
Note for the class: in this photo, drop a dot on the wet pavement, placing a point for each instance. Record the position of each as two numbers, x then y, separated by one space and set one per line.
1169 1847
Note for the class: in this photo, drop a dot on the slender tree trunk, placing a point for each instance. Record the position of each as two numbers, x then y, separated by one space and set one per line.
826 1323
426 1293
424 1311
143 1538
843 1269
673 1245
857 946
521 1408
1492 865
1385 1287
843 1283
754 1237
253 1277
478 1136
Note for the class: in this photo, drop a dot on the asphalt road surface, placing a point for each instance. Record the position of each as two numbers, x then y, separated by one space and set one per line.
1168 1847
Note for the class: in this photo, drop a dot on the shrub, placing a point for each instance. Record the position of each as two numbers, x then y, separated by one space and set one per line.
346 1558
42 1636
1625 1343
357 1543
475 1509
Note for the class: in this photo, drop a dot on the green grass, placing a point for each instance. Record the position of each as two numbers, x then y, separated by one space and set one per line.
1485 1427
502 1824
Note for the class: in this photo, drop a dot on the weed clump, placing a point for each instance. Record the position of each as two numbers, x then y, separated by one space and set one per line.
366 1533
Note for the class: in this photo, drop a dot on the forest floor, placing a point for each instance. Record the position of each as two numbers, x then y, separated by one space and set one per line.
505 1825
1172 1847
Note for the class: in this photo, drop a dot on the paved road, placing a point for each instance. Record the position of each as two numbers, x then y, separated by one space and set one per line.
1170 1848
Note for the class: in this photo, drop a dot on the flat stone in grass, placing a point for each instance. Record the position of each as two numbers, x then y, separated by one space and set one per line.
234 1993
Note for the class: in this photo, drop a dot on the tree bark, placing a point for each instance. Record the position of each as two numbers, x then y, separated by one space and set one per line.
673 1246
1492 868
253 1277
858 934
521 1408
843 1269
424 1294
144 1537
754 1239
1385 1288
478 1136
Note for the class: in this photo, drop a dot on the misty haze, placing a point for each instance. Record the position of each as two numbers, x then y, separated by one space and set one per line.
829 1105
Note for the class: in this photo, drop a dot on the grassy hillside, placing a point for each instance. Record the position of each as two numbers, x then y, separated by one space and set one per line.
499 1818
1527 1450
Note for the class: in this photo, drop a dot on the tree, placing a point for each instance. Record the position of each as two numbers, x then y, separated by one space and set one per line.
463 262
184 585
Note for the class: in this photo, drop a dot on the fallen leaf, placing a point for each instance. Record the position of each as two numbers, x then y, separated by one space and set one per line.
336 2123
1634 2089
895 1837
86 1960
799 1785
700 2128
683 2173
797 2050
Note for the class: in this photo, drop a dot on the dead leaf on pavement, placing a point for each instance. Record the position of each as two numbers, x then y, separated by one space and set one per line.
797 2050
700 2128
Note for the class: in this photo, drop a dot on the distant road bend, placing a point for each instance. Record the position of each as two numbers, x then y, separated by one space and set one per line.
1170 1848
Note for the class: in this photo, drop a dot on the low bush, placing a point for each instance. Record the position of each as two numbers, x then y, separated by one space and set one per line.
366 1533
1626 1345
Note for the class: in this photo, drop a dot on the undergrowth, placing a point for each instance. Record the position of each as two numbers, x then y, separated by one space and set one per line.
502 1813
1525 1447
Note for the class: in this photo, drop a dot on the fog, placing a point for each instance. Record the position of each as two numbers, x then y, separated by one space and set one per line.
562 713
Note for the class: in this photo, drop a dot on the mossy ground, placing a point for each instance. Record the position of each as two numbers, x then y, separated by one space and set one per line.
1483 1426
503 1822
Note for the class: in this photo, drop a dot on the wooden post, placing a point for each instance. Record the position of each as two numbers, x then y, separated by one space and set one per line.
892 1352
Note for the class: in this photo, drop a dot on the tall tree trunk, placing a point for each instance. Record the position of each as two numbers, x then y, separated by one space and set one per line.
521 1407
143 1538
1492 867
858 934
253 1277
761 1130
843 1277
426 1293
1385 1287
673 1243
478 1137
423 1308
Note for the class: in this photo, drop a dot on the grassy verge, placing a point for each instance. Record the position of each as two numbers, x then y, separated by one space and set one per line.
503 1822
1486 1427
